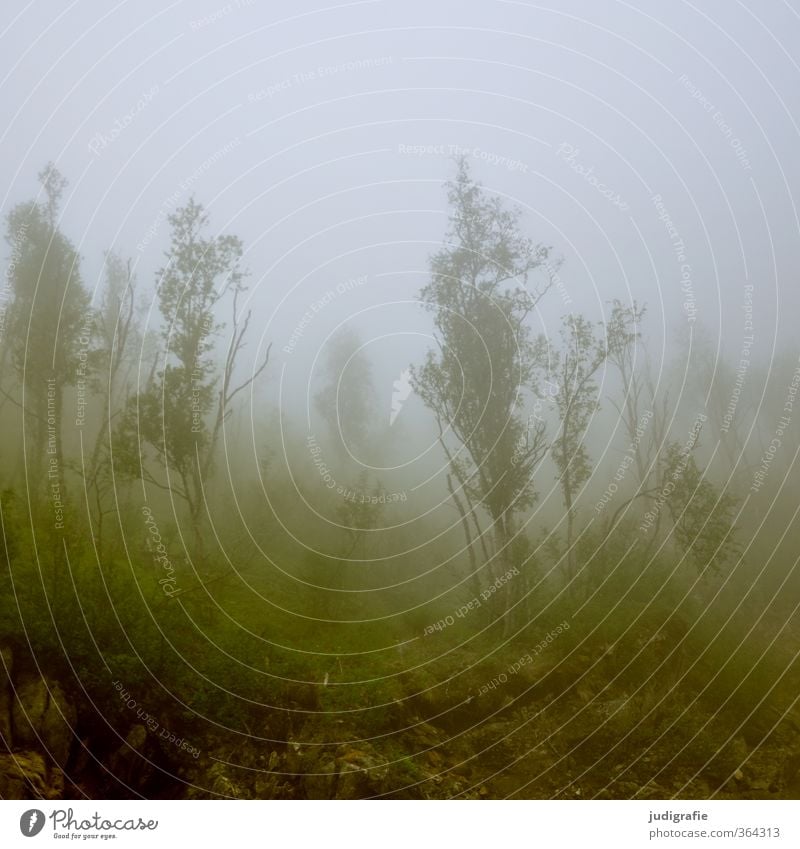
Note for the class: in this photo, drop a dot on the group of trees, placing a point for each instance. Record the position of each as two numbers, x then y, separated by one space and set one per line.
165 394
485 382
255 587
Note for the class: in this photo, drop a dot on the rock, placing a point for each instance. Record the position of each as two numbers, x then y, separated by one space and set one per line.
210 778
272 787
427 735
25 775
790 777
223 784
6 669
353 773
297 757
129 764
497 740
136 737
363 773
42 717
321 783
6 662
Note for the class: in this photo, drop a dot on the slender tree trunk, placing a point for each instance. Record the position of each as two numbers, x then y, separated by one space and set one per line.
475 583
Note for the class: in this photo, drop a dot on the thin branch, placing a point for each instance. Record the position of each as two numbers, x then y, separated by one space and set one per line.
643 493
17 403
148 478
253 376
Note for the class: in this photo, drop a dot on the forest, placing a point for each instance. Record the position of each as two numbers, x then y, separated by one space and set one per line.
551 557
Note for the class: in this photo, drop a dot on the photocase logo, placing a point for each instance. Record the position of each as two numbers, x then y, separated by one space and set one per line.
31 822
400 392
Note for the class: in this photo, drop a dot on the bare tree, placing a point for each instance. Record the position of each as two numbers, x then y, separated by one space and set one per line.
346 400
584 355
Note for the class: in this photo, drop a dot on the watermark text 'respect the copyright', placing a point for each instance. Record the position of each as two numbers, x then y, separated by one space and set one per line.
458 151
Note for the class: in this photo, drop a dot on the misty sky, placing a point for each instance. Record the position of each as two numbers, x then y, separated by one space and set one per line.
297 126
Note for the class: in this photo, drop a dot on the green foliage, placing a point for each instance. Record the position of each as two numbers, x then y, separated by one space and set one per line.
49 324
583 356
319 629
476 382
585 353
180 414
702 514
49 300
